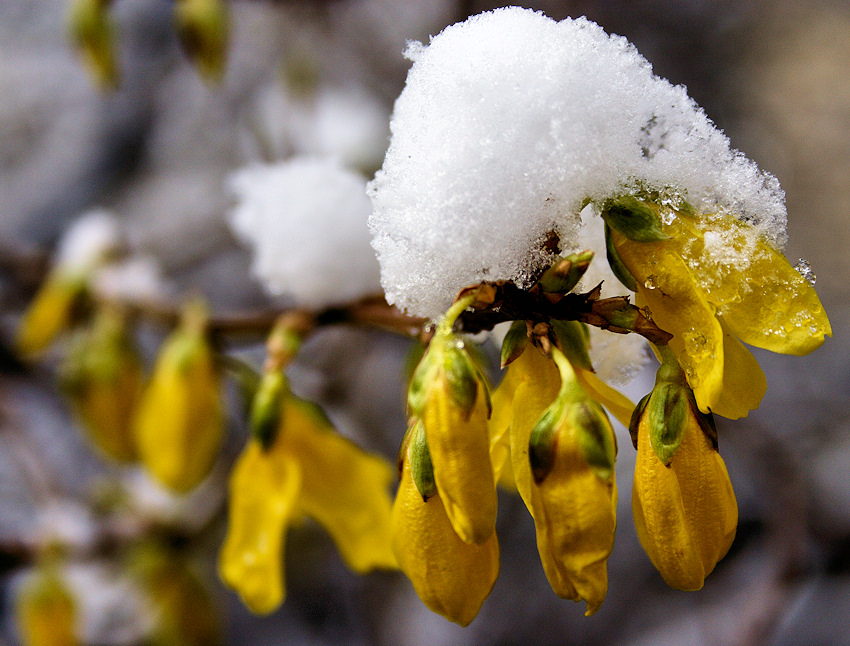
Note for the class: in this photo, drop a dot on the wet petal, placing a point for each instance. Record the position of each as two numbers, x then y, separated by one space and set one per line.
744 383
344 488
452 577
264 488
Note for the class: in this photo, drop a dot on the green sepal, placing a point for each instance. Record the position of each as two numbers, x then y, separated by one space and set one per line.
266 413
637 414
515 342
573 340
421 467
461 378
543 441
633 218
618 268
595 438
565 272
421 382
668 412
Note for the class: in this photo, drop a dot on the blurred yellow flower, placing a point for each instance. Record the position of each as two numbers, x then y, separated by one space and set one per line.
179 424
307 469
45 610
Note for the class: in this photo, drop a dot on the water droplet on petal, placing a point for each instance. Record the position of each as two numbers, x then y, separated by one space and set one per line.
651 282
805 270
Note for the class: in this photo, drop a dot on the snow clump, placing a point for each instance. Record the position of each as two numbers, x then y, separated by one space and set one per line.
509 124
306 222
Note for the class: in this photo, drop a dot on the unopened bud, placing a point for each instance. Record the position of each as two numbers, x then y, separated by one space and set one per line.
514 343
565 273
635 219
203 29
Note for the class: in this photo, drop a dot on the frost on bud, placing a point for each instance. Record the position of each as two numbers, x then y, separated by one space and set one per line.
452 577
573 496
450 398
92 33
684 509
635 219
203 29
179 424
46 611
102 378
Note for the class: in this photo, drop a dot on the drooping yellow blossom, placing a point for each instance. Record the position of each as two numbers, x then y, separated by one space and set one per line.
264 489
306 469
450 398
451 576
710 280
185 612
92 33
203 27
46 611
565 473
685 511
102 377
179 424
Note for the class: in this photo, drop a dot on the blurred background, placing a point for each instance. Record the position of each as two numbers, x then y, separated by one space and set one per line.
320 77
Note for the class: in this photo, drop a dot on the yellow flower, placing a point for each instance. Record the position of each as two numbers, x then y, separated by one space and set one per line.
92 33
203 29
46 611
710 280
564 468
50 312
102 377
685 511
451 576
307 469
450 398
179 424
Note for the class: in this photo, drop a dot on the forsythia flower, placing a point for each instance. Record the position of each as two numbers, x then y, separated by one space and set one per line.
683 504
179 424
452 577
102 377
708 279
46 611
564 469
306 469
452 402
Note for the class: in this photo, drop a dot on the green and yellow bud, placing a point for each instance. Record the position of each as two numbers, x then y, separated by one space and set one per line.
179 424
264 417
685 510
102 378
572 494
203 27
45 611
93 34
565 273
450 398
264 490
637 220
451 576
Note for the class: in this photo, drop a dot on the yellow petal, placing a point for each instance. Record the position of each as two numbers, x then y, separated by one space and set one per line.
685 514
264 488
48 314
500 423
452 577
179 425
575 519
460 453
677 305
744 383
344 488
617 403
46 612
762 299
533 396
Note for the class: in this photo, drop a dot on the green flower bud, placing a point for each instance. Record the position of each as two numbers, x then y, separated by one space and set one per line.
637 220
